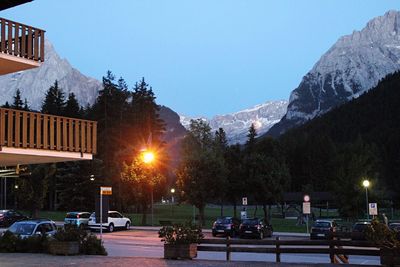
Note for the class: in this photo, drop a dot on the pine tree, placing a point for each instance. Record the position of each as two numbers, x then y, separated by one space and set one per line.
251 139
6 105
18 103
72 108
54 101
26 106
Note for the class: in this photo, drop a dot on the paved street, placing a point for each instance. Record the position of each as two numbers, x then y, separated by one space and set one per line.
144 242
141 243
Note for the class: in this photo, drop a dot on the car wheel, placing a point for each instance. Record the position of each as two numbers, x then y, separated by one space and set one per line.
127 225
111 228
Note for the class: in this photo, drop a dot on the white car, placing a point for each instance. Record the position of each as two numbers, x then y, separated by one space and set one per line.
115 220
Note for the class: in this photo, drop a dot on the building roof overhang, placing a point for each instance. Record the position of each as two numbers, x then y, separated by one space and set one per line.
4 4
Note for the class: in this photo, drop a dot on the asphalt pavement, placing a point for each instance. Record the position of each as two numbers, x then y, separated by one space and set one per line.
44 260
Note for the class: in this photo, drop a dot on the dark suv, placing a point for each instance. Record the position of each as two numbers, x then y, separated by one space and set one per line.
8 217
358 231
226 226
323 229
255 227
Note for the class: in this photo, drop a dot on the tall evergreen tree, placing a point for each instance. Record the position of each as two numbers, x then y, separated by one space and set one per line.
54 101
72 108
26 106
17 103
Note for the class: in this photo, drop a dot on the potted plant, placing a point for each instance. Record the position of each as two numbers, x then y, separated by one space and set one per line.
180 241
386 239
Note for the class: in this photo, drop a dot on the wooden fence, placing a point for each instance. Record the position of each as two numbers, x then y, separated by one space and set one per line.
21 40
335 249
22 129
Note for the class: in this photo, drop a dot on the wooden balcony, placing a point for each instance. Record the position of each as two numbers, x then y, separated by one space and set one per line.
32 138
21 46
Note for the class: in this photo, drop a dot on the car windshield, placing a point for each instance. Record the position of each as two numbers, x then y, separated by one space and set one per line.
322 224
223 221
22 228
71 215
250 221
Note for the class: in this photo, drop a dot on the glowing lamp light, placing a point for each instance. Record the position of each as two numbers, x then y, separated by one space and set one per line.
148 157
365 183
172 190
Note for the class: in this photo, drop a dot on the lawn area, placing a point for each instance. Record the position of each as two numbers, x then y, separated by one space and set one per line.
183 213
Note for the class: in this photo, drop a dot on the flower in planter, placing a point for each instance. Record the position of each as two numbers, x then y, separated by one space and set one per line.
181 234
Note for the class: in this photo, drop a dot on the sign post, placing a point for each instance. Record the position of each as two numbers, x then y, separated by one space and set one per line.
373 209
306 208
243 213
104 190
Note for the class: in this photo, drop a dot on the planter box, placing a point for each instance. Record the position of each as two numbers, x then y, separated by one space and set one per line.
181 251
390 257
64 247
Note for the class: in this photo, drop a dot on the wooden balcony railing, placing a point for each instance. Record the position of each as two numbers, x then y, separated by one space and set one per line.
22 129
21 40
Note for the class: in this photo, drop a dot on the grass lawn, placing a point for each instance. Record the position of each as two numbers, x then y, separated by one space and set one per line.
183 213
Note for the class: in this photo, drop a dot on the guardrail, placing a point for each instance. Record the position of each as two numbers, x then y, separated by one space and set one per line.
21 40
23 129
336 249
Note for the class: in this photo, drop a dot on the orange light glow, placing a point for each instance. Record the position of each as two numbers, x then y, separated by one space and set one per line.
148 157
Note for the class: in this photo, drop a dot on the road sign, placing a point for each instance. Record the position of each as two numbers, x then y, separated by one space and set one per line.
243 214
306 208
306 198
106 190
244 201
373 209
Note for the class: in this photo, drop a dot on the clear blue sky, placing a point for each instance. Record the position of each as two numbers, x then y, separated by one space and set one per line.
202 57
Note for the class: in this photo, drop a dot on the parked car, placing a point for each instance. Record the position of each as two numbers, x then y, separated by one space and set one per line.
395 226
255 227
323 229
78 219
358 231
8 217
226 226
115 220
33 227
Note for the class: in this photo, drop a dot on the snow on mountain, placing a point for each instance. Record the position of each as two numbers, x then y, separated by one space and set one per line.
236 125
34 83
353 65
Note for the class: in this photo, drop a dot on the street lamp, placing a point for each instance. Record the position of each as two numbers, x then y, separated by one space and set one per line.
92 178
148 157
172 194
366 184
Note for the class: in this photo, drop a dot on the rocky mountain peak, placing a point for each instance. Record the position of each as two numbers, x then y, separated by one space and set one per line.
34 83
353 65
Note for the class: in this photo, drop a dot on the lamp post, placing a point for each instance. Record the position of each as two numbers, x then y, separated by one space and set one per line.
172 195
148 157
366 184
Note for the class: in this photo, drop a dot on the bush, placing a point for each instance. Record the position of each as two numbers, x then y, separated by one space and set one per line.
89 244
381 235
10 243
181 234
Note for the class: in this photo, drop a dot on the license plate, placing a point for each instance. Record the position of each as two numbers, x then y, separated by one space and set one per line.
220 231
320 235
248 232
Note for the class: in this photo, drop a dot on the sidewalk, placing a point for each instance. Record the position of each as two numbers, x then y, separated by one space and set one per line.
156 228
45 260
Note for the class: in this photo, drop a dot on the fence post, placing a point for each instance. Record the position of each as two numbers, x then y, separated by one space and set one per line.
228 248
331 252
278 252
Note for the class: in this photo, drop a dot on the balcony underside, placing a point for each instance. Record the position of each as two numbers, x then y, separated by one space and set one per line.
13 156
10 64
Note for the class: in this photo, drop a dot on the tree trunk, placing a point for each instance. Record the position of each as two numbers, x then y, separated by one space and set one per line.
265 209
201 215
144 214
255 211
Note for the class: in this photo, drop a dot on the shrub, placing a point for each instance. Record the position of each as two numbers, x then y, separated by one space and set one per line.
181 234
91 245
381 235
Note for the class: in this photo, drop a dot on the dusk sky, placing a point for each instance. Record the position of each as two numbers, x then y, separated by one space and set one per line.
203 57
